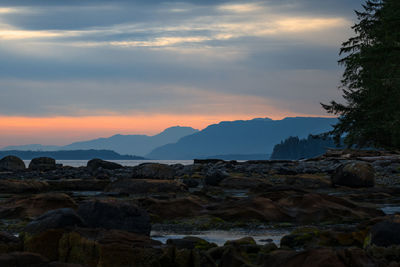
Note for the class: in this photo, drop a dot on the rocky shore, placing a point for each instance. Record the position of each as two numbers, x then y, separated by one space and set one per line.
339 209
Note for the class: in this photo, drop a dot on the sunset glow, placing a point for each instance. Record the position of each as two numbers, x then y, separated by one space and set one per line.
64 130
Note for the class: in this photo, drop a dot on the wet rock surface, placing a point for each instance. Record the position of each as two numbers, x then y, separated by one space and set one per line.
335 210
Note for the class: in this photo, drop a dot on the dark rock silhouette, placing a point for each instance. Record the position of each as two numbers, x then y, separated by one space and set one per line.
55 219
11 163
95 164
115 215
42 164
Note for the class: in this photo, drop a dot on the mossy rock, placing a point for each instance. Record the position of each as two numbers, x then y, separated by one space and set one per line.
301 237
44 243
241 242
200 243
120 255
173 257
74 248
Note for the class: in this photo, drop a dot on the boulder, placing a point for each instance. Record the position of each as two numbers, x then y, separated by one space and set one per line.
11 163
214 176
43 164
22 186
145 186
55 219
99 247
386 233
9 243
36 205
115 215
95 164
191 182
354 174
154 171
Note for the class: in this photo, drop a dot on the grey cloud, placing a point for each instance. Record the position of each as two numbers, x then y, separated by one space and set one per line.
60 75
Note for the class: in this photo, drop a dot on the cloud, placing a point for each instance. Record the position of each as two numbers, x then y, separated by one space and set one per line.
81 58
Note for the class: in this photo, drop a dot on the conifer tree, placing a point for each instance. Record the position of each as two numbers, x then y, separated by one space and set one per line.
370 115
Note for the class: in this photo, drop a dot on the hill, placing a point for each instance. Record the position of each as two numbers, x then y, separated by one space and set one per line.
122 144
69 155
257 136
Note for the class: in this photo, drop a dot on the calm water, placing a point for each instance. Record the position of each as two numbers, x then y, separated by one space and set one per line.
219 237
80 163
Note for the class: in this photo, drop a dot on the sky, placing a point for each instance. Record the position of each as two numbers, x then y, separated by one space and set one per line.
79 69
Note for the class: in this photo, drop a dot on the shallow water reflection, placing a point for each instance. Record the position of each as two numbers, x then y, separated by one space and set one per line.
219 237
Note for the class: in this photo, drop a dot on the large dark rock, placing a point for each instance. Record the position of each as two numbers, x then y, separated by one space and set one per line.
145 186
355 174
43 164
11 163
214 176
154 171
55 219
99 247
386 233
9 243
35 205
95 164
115 215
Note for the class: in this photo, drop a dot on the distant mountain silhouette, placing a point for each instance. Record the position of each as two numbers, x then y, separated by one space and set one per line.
257 136
70 155
122 144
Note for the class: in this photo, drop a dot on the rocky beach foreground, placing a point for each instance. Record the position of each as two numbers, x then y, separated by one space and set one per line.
339 209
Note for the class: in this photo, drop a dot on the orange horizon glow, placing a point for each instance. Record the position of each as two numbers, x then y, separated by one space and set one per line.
18 130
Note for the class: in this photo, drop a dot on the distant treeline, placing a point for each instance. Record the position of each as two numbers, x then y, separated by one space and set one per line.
69 154
294 148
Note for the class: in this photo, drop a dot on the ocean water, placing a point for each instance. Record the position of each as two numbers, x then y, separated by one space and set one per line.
80 163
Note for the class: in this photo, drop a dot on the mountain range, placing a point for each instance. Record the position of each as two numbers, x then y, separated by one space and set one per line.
123 144
257 136
241 139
